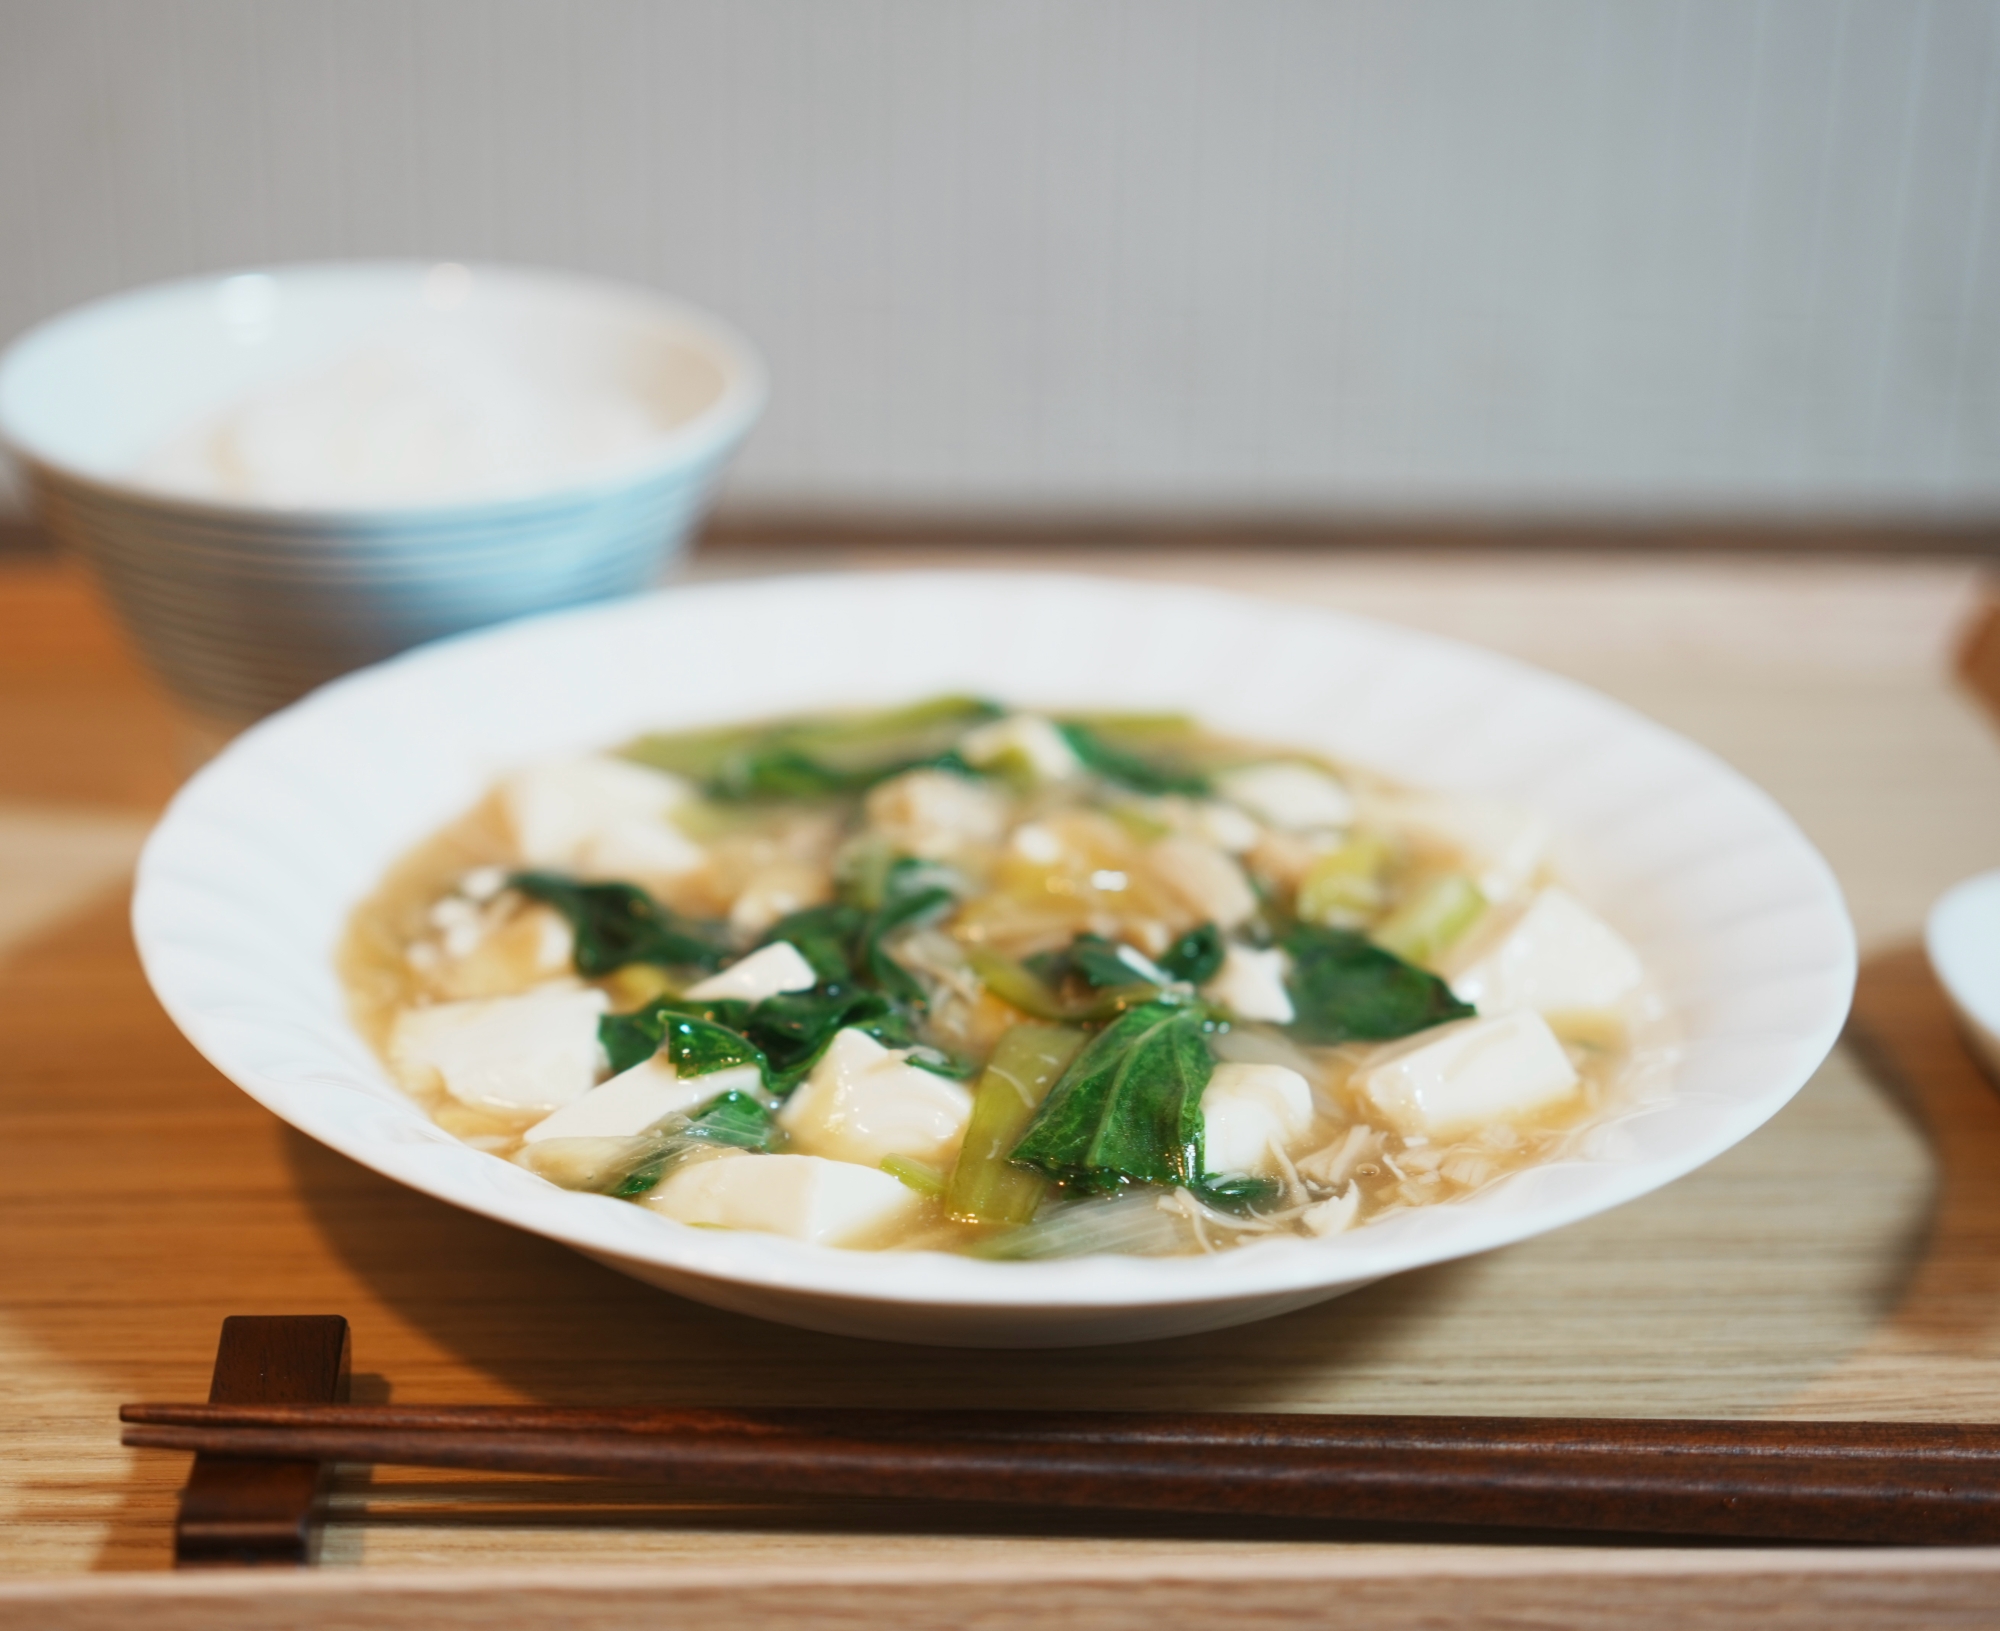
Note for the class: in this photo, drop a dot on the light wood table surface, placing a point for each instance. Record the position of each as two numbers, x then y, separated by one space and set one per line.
1845 1261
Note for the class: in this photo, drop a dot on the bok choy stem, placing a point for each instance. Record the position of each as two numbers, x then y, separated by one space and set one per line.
985 1185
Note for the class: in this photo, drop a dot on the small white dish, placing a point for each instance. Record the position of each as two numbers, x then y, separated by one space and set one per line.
246 883
1962 938
285 473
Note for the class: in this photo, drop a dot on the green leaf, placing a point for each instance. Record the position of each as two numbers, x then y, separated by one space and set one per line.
1195 956
696 1044
1238 1192
1344 988
822 757
828 937
913 892
734 1119
1089 960
1128 1109
1143 773
615 924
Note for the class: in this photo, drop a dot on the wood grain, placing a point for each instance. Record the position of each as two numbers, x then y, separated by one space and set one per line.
1841 1263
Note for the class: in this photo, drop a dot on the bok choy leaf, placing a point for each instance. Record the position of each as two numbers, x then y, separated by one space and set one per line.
614 924
1128 1108
1344 988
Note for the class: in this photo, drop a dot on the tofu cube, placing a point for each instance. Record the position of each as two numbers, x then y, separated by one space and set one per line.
1024 740
639 1099
1210 883
1251 1112
599 817
1251 984
864 1101
534 1051
1557 957
1289 795
1503 844
1461 1077
804 1197
769 971
936 815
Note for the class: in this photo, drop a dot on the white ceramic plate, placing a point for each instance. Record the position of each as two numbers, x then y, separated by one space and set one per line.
245 885
1962 937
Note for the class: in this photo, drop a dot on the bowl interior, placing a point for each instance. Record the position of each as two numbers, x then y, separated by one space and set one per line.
244 887
98 391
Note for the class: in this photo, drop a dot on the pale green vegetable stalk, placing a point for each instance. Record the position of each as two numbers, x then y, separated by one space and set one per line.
1133 1223
921 1176
1346 887
984 1186
1431 921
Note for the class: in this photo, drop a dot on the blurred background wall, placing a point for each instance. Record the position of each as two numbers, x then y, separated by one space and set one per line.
1342 257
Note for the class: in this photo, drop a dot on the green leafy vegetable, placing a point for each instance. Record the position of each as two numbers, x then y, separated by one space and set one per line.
1237 1192
913 892
819 757
696 1045
1142 772
1024 1065
1090 961
1431 921
1344 988
825 936
615 924
1195 956
734 1119
1128 1109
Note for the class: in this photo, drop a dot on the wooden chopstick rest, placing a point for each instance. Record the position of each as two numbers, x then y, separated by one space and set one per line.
262 1511
1878 1483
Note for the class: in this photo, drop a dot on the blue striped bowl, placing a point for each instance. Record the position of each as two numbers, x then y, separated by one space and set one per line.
242 607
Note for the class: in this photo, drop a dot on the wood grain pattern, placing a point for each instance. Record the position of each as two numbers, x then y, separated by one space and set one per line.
1841 1263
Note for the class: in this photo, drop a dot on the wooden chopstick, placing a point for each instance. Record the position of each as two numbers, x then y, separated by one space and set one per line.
1868 1482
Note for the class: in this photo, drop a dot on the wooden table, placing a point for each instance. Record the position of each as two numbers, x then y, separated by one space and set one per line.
1843 1262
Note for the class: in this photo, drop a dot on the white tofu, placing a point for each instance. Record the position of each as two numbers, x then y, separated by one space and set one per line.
1026 739
769 971
1503 843
535 1051
1224 826
640 1098
1251 984
864 1101
1208 881
776 891
805 1197
1460 1077
1249 1113
599 817
935 815
1557 957
1296 797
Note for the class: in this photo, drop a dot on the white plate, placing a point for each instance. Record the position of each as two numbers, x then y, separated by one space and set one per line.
245 885
1962 938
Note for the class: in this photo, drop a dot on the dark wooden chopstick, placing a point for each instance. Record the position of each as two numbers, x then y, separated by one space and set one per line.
1885 1483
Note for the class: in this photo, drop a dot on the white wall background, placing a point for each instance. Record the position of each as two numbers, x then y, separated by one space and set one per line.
1619 256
